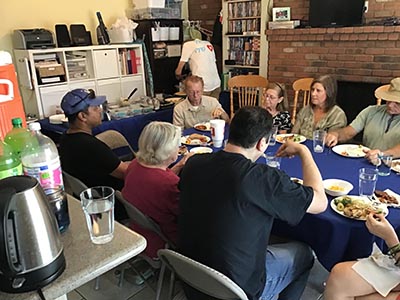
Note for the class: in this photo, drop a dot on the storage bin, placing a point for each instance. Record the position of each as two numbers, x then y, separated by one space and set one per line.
174 33
149 3
155 34
164 33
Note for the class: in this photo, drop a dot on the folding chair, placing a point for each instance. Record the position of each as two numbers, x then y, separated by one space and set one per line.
201 277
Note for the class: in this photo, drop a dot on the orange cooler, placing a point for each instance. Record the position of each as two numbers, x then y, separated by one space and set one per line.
11 105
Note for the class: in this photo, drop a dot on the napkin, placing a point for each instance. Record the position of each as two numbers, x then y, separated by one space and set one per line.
379 271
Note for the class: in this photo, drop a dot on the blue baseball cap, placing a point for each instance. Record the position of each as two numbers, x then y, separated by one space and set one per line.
79 99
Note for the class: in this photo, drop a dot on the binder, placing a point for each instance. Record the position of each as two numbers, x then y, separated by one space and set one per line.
133 62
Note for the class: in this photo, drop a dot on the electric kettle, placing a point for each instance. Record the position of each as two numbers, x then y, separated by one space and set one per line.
31 252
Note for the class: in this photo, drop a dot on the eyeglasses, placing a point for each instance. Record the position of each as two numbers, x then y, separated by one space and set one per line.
270 97
90 95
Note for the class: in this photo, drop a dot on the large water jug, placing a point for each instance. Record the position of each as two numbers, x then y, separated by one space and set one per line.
10 165
18 137
41 160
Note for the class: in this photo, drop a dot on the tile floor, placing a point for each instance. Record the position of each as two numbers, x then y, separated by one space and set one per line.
129 291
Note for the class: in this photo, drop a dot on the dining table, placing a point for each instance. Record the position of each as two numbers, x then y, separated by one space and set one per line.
333 237
85 260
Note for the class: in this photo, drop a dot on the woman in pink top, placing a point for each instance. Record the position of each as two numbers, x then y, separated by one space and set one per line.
151 186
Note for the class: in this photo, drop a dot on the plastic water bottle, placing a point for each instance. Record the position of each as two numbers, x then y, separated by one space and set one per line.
18 138
41 160
10 164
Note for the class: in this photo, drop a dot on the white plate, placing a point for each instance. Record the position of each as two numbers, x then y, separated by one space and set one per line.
194 142
350 150
379 205
281 138
58 119
396 165
174 99
202 126
201 150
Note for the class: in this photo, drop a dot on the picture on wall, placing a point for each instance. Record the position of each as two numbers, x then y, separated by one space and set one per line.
281 14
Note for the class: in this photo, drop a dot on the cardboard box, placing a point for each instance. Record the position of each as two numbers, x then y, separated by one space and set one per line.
49 71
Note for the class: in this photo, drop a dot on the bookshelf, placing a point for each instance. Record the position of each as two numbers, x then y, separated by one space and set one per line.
244 47
46 75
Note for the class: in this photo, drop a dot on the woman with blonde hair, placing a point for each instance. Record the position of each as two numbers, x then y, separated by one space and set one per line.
151 186
275 102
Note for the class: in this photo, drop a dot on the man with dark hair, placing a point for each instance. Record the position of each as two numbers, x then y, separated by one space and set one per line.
83 155
228 204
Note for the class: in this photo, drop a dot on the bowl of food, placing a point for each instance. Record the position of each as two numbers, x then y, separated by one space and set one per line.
337 187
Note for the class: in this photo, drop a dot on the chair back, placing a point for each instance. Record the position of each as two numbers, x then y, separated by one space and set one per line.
114 140
248 88
73 185
381 88
302 88
144 221
201 277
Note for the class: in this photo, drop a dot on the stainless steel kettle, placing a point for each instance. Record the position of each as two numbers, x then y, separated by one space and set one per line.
31 252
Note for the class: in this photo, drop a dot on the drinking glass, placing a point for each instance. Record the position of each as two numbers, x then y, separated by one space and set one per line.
319 140
98 206
272 160
367 181
384 164
272 139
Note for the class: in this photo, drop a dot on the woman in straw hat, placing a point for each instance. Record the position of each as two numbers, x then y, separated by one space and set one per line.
380 123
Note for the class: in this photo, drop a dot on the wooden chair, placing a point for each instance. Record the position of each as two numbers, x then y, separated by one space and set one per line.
301 87
248 88
381 88
116 140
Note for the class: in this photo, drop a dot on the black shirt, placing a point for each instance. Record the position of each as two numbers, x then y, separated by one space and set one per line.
227 208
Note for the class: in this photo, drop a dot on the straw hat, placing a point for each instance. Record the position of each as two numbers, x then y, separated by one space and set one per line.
389 92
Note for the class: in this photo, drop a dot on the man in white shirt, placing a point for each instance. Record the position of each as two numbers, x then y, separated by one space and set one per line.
201 58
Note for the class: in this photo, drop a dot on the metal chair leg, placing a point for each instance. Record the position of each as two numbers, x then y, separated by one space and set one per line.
171 285
160 281
121 277
97 283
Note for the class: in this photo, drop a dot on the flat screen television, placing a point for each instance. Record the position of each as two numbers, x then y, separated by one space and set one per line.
336 13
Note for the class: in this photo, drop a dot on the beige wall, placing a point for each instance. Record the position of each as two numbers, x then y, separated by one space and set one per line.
27 14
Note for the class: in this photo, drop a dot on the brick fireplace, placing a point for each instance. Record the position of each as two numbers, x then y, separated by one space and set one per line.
366 55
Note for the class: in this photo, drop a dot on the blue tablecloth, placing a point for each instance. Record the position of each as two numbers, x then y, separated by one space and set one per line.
333 237
130 127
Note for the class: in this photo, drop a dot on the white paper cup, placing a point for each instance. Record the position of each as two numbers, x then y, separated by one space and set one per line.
98 206
217 127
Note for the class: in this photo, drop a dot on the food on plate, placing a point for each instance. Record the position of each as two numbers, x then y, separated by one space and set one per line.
354 151
201 150
182 150
200 127
336 188
290 137
297 180
196 136
385 197
355 208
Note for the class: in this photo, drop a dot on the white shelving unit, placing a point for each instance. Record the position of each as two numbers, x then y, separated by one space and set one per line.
45 75
244 42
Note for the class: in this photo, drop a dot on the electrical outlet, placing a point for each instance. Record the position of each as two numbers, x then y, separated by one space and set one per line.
366 6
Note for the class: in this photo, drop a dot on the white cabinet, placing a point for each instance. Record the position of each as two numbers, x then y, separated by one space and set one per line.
244 43
45 75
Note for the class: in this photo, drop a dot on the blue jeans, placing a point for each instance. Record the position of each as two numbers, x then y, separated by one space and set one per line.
288 266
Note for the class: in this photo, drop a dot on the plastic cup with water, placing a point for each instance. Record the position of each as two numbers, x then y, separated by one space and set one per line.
98 206
272 160
274 132
384 164
319 141
367 181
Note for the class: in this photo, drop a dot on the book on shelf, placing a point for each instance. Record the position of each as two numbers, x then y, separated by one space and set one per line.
284 24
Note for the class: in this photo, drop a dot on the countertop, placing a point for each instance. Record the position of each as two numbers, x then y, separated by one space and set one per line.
85 260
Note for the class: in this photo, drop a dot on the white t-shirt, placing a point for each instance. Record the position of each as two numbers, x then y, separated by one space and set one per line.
201 58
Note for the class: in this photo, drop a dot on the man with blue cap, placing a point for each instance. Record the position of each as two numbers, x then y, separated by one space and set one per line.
83 155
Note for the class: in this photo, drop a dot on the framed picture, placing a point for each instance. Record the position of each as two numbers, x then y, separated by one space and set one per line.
281 14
